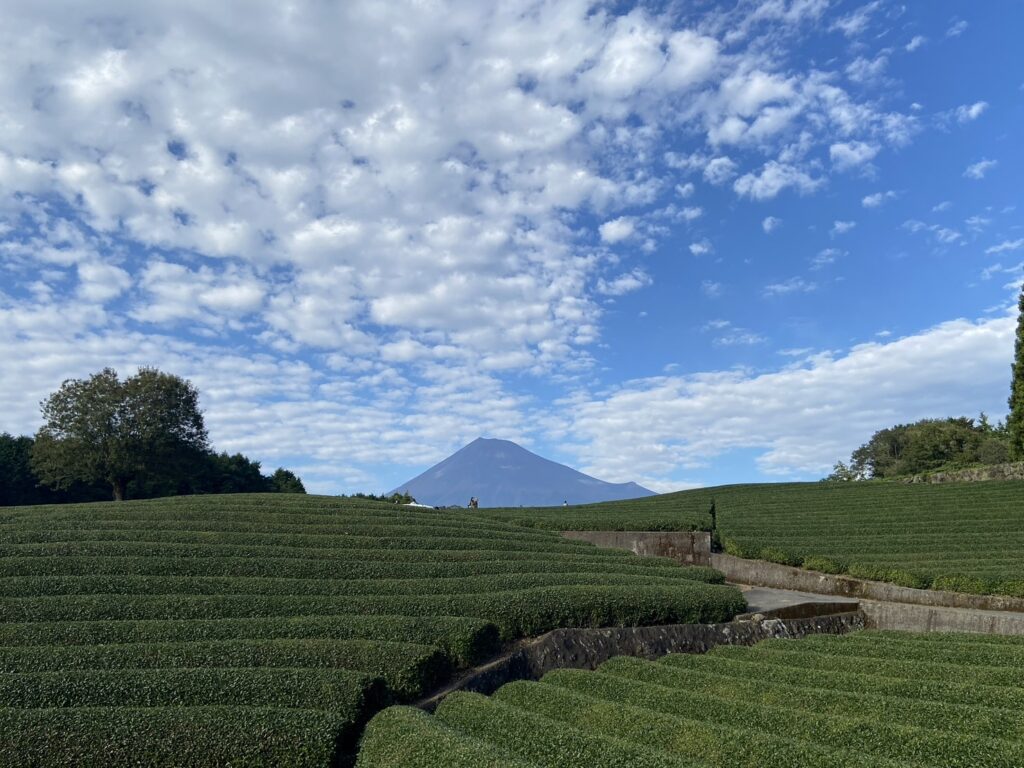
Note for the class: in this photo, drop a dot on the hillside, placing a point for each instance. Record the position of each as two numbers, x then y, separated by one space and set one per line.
502 474
266 629
966 537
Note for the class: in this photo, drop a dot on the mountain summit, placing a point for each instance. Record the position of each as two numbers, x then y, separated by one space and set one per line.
502 474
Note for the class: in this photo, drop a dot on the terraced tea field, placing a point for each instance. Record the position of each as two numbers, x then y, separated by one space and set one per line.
266 629
965 537
868 700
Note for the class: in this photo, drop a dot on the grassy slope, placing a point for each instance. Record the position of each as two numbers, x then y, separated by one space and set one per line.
265 629
865 700
967 537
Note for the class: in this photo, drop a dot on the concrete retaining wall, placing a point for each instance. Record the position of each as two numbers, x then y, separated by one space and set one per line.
928 618
687 547
765 574
588 648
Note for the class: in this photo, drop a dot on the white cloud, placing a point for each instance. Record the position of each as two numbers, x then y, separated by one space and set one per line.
728 335
770 223
624 283
850 154
916 42
876 199
841 227
801 419
979 169
773 178
1006 245
700 248
378 236
825 258
854 24
711 289
719 170
685 190
101 282
617 230
957 28
863 70
965 113
792 285
945 205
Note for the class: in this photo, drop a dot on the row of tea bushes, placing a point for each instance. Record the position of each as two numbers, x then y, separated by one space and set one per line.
868 699
265 630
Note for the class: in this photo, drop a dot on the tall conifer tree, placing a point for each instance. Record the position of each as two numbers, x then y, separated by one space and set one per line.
1015 421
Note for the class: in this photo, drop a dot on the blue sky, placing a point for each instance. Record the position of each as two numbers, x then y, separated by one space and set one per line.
675 243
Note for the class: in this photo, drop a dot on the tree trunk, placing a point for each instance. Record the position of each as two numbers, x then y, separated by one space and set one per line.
120 489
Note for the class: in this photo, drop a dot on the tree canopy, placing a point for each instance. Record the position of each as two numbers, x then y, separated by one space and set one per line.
926 446
142 437
101 429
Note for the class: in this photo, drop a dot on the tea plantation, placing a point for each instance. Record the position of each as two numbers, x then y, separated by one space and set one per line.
966 537
266 629
868 700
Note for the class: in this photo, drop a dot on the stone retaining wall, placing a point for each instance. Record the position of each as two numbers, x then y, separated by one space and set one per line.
686 547
588 648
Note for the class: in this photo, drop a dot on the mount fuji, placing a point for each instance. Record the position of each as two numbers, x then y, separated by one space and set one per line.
502 474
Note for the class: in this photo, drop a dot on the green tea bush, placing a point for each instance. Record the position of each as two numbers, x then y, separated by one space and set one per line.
467 640
268 616
410 738
199 737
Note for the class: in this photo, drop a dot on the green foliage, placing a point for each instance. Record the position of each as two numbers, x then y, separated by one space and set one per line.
926 446
966 536
823 564
249 605
690 511
285 481
407 737
201 737
1015 419
867 700
464 639
102 429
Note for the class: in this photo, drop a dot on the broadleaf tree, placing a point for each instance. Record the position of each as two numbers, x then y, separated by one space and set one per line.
101 429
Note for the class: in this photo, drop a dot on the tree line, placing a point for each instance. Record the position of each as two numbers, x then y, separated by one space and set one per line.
140 437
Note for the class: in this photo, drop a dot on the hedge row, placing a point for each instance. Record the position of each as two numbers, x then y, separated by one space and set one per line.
517 613
349 571
27 586
200 737
410 738
736 706
266 630
754 668
196 547
466 639
703 683
819 659
343 692
541 740
409 669
692 731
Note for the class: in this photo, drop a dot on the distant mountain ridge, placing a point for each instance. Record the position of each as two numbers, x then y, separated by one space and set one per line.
501 473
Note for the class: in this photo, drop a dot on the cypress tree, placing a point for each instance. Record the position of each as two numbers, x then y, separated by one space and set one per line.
1015 421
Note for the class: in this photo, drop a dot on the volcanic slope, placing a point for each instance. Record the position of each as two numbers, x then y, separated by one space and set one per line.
266 629
501 473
